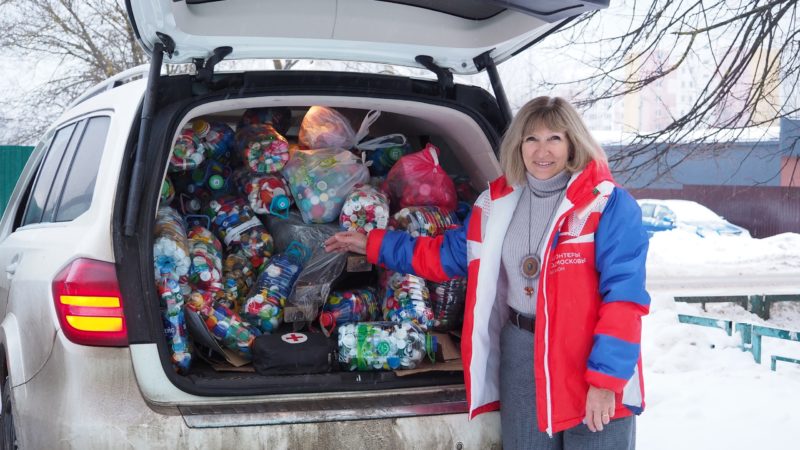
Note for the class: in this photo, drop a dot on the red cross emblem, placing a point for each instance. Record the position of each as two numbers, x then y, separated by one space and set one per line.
294 338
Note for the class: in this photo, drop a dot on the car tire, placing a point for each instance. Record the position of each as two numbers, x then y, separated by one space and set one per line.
9 441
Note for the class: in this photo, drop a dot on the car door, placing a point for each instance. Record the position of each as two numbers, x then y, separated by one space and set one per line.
39 231
9 250
453 34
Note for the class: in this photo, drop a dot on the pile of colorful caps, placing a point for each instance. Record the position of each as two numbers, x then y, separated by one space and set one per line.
224 265
423 221
407 299
364 210
383 345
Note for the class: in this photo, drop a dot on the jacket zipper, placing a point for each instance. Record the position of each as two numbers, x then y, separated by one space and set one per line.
557 226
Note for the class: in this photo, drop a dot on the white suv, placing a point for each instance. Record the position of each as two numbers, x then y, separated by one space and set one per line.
83 358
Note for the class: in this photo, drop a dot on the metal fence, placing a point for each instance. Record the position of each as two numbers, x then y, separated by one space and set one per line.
12 160
764 210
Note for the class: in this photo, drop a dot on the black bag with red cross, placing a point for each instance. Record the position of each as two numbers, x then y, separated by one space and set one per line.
293 353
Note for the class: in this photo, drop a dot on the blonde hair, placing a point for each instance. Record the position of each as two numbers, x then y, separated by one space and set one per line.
556 114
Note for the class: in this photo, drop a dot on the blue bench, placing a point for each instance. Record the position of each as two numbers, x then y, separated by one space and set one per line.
750 334
776 358
756 304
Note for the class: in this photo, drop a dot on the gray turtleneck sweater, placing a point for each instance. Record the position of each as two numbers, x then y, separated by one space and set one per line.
535 211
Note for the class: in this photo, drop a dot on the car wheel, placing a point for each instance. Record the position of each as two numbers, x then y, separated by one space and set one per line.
9 441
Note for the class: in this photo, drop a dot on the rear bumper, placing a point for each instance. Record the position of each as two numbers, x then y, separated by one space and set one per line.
88 397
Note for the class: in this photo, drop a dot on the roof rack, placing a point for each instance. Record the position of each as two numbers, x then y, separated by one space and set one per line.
119 79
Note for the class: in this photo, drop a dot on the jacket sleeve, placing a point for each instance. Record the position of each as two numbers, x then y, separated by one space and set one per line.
437 259
620 255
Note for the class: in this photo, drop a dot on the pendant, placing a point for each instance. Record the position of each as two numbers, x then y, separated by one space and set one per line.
530 266
529 291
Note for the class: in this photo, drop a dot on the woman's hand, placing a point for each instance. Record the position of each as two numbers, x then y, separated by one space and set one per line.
347 241
600 405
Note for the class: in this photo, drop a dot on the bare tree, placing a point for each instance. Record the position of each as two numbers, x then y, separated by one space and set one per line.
86 41
743 56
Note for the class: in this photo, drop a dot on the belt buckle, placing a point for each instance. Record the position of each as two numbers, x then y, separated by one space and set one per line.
516 315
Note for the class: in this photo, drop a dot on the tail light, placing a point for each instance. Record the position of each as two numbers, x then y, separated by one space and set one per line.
89 304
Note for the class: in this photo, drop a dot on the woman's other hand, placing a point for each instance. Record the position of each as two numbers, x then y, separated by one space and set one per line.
599 408
347 241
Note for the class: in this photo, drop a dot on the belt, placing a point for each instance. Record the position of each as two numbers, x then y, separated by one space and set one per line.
523 322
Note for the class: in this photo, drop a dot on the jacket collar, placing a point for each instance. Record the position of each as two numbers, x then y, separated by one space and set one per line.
581 188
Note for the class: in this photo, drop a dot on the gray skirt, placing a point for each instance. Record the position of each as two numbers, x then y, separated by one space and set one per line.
518 406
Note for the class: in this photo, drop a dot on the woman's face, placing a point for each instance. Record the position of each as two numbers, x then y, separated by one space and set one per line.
545 152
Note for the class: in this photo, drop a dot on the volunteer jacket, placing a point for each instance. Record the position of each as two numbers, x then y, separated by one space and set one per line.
589 305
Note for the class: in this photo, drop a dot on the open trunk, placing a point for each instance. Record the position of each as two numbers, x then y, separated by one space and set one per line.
463 122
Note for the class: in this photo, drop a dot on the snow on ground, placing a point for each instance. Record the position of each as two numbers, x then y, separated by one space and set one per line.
676 253
702 390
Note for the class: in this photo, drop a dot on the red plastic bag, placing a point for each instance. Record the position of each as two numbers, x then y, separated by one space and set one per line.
418 180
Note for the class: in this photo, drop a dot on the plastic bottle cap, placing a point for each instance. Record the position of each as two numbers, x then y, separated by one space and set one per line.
326 319
216 182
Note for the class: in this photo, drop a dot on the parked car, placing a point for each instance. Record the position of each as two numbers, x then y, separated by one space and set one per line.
662 215
83 356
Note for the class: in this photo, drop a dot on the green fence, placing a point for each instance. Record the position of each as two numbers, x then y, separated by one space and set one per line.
12 160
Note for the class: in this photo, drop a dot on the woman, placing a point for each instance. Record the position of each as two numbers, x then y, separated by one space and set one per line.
555 257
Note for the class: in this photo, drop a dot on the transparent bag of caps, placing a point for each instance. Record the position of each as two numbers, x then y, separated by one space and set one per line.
384 151
447 303
364 210
175 324
205 253
215 138
265 302
322 269
224 324
238 277
280 117
266 193
262 148
170 247
209 180
320 181
167 191
348 306
327 128
186 151
418 221
407 299
371 346
239 229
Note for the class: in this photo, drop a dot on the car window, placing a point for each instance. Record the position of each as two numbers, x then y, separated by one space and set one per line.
60 177
78 189
44 178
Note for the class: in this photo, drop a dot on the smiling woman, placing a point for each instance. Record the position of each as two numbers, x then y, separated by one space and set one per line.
554 253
